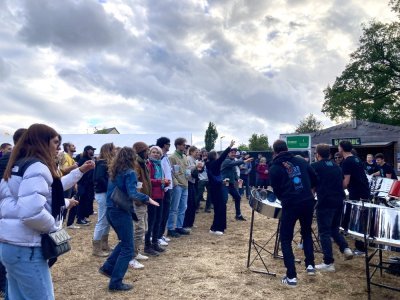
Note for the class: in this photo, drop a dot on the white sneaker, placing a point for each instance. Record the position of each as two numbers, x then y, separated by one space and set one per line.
140 256
73 227
325 268
348 254
216 232
310 270
134 264
161 242
166 239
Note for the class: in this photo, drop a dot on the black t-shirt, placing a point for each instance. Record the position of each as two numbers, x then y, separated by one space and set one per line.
370 168
358 186
329 185
387 169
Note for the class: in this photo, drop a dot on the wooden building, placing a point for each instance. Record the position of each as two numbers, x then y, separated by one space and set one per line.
366 137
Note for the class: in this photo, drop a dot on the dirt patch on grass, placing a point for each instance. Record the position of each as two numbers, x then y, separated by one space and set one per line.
203 266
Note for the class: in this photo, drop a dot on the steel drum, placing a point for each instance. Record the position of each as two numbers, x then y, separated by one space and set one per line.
354 217
265 202
385 226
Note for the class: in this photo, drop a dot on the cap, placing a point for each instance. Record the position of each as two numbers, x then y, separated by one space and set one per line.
244 152
89 148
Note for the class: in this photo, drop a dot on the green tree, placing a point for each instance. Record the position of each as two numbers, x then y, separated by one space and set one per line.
259 143
368 89
243 147
210 136
309 124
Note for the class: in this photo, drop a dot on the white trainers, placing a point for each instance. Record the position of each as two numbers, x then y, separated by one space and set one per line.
348 254
310 270
140 256
166 239
325 268
161 242
73 227
134 264
216 232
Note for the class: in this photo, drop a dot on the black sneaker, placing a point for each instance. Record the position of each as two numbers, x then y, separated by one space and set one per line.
122 287
182 231
240 218
82 222
149 250
173 233
102 271
157 248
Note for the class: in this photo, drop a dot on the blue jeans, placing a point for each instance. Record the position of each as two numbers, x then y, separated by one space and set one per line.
328 220
102 225
118 261
304 213
178 207
28 273
231 189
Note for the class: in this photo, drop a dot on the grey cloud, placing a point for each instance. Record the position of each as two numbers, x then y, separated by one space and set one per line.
69 25
4 69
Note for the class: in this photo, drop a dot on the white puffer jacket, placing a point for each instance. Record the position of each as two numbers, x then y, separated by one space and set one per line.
25 205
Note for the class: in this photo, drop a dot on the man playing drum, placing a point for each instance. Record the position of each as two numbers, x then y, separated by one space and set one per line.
329 208
292 179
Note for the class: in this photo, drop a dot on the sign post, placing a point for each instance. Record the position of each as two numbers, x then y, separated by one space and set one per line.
298 142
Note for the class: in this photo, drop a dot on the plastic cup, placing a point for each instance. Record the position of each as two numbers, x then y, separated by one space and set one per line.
240 183
226 180
139 185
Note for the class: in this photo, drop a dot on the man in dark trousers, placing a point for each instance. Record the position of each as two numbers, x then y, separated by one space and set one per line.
3 164
228 172
329 208
355 181
292 180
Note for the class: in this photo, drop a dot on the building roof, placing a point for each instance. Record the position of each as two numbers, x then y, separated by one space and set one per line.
355 124
109 130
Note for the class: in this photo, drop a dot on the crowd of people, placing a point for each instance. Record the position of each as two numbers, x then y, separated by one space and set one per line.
42 186
165 190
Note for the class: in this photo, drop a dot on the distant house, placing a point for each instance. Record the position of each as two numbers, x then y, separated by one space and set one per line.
112 130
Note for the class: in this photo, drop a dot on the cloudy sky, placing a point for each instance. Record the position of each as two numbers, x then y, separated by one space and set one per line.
158 66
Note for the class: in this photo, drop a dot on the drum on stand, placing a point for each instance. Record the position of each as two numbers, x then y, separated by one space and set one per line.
385 228
265 203
355 215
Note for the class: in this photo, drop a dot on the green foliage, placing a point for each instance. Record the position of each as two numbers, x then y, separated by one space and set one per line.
243 147
259 143
100 131
368 89
309 124
210 136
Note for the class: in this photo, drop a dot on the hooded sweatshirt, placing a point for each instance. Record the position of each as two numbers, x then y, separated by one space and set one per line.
292 179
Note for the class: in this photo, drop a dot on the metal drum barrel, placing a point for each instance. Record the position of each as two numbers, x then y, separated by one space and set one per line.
265 202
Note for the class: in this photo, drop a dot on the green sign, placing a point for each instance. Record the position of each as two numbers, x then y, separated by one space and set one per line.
353 141
298 141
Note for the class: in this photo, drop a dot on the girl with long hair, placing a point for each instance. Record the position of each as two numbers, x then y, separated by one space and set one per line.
31 203
100 178
123 176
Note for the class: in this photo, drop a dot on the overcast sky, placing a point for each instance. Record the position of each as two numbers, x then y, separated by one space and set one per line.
159 66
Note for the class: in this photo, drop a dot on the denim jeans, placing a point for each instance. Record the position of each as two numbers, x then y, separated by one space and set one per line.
28 274
165 213
178 207
304 213
245 186
118 261
231 189
102 225
328 227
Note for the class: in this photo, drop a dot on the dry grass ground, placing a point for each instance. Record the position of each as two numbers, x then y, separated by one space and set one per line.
202 266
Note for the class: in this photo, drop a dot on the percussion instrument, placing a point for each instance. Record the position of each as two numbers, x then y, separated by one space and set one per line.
265 202
382 224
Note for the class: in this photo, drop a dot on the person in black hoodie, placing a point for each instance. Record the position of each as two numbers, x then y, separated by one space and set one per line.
329 207
292 180
85 189
213 166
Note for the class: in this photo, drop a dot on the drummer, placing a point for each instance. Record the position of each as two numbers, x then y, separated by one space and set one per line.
356 182
292 179
329 207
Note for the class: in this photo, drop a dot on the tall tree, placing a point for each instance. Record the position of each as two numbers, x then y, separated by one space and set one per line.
369 87
259 143
243 147
309 124
210 136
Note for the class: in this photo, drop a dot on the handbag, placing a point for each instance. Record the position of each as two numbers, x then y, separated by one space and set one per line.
55 243
122 200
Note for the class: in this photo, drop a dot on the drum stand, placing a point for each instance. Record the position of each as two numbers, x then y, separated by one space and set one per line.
382 265
260 248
